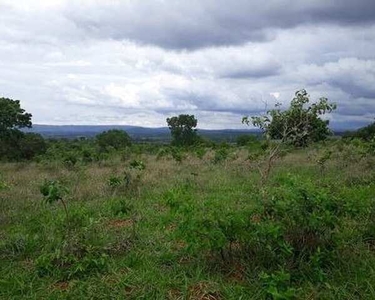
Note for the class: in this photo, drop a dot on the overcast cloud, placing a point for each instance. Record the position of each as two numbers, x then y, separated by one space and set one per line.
139 62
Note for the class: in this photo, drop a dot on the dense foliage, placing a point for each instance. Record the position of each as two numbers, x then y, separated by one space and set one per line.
14 144
114 138
366 133
298 125
183 130
12 115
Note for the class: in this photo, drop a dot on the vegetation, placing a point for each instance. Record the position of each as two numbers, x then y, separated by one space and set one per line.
160 221
300 124
183 130
246 139
114 138
366 133
14 144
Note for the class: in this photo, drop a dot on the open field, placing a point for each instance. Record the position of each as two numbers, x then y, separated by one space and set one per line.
192 229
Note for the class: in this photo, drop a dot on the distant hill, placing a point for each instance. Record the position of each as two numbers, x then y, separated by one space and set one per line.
136 132
365 133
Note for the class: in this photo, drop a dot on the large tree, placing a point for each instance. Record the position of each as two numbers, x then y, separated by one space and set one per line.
14 144
183 130
298 125
12 116
114 138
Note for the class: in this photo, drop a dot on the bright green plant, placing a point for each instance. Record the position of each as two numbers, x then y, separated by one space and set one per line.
177 154
3 185
54 191
162 152
200 152
221 155
137 165
322 160
277 285
114 181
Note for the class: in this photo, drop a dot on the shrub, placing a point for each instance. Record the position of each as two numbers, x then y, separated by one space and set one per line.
177 154
220 155
294 228
120 207
114 138
162 152
67 264
277 285
31 145
200 152
3 185
54 191
246 139
137 165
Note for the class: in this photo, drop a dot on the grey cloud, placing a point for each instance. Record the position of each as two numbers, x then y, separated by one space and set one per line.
353 76
107 62
195 24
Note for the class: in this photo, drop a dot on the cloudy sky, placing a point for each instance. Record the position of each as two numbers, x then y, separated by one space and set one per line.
138 62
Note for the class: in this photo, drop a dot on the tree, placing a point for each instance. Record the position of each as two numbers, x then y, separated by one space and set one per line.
183 130
12 116
113 138
31 145
299 125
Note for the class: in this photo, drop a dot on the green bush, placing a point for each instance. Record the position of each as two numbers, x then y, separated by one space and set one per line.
137 165
220 155
114 138
246 139
32 145
294 227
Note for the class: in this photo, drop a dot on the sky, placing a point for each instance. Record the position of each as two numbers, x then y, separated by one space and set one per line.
138 62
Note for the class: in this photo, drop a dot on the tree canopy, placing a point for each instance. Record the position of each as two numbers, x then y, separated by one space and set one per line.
113 138
12 116
300 124
183 130
15 144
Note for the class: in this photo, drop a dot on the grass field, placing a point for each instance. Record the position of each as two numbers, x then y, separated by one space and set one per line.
192 229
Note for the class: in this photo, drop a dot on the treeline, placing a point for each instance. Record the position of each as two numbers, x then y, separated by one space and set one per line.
298 126
17 145
366 133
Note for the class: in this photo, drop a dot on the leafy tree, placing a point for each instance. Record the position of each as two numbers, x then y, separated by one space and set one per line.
14 144
9 144
12 116
31 145
183 130
113 138
299 125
